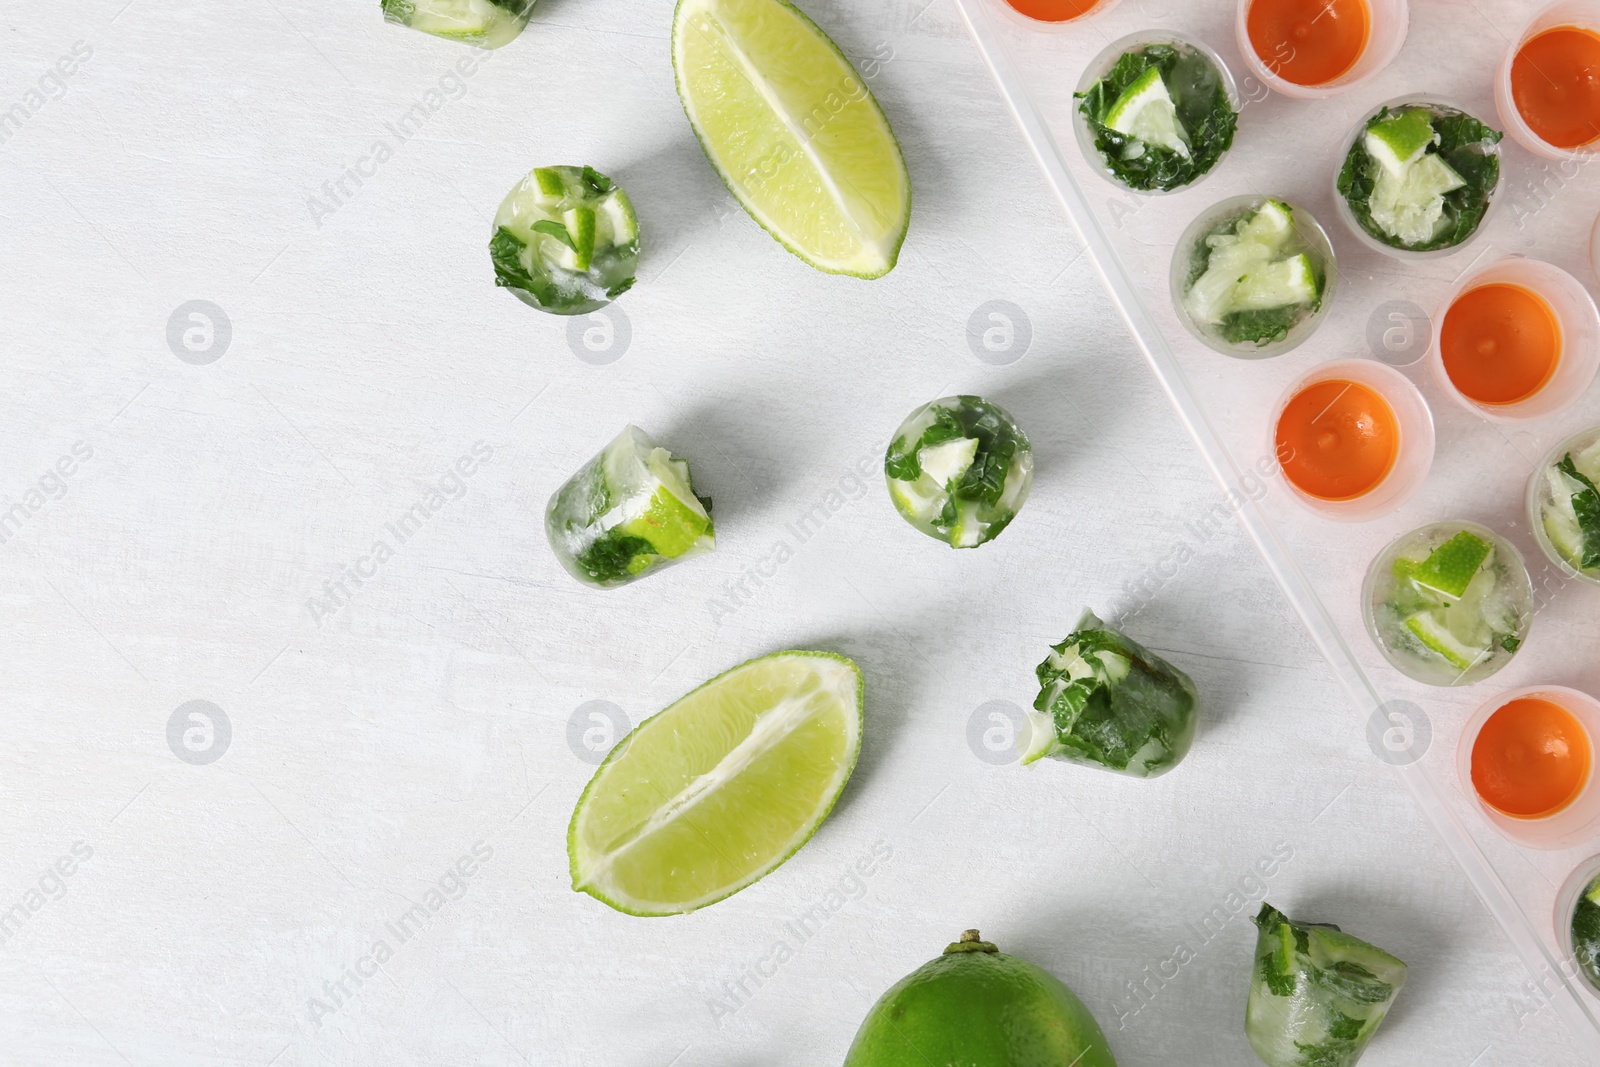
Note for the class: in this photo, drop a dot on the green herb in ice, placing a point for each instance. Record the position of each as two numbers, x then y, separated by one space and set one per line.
566 240
1421 177
629 511
959 469
1586 508
1107 701
1161 118
1586 933
484 23
1317 994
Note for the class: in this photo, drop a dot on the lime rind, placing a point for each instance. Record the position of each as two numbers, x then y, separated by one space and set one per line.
1450 568
1398 141
876 256
631 905
1435 634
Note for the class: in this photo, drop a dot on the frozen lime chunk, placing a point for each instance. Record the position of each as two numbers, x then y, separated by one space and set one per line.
1400 140
1409 206
1317 994
1146 113
565 240
1107 701
1452 566
629 512
959 469
485 23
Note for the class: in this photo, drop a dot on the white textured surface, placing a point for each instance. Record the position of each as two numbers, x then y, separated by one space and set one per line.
374 746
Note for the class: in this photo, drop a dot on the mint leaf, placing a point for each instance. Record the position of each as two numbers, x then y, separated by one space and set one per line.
1262 327
614 557
398 11
598 183
1586 503
505 250
1586 936
556 230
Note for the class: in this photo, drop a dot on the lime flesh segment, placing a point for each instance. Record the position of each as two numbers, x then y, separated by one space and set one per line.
1275 285
793 131
1410 206
674 519
721 787
1451 566
1145 111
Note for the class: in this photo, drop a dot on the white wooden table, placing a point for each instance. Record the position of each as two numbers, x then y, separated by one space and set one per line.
397 734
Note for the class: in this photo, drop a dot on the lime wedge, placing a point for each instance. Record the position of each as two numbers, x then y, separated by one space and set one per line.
922 499
948 461
1276 285
1431 630
1451 566
1145 111
673 519
1271 225
1400 140
1409 206
721 787
793 131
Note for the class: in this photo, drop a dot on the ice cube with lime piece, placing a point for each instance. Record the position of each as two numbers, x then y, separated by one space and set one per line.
629 511
959 469
565 241
1449 604
1161 117
483 23
1420 176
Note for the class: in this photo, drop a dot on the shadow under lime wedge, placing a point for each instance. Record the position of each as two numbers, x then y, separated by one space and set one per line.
711 794
793 131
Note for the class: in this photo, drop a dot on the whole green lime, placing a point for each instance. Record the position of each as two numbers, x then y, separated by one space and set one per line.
974 1006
